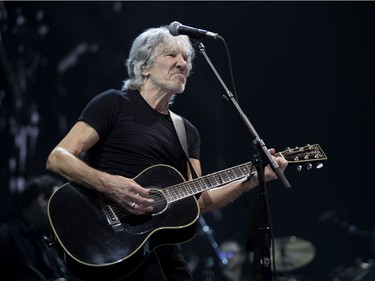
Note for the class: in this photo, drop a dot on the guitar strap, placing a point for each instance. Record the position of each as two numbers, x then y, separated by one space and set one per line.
179 126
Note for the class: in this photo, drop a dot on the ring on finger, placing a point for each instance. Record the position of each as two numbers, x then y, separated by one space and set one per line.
133 205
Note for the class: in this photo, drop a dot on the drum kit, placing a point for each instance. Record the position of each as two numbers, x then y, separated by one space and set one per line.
292 253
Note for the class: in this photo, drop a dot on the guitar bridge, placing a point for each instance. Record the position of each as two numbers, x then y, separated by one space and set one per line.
111 217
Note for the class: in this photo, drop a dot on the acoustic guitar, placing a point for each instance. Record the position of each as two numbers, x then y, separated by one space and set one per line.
100 240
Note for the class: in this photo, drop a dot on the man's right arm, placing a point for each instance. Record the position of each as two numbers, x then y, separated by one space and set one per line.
64 160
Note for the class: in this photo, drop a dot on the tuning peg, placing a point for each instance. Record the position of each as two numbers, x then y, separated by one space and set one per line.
299 168
319 165
309 166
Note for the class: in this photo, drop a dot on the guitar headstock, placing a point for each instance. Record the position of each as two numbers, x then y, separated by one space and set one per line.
305 155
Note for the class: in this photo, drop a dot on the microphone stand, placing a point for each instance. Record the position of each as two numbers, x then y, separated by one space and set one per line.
262 262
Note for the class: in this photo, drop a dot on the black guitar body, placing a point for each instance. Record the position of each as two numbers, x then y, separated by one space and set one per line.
96 244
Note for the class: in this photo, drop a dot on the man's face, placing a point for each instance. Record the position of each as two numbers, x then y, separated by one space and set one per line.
170 71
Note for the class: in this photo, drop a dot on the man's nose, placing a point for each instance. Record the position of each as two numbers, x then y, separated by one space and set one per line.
181 62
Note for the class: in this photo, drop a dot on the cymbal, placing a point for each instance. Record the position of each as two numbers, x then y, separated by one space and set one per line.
358 271
292 253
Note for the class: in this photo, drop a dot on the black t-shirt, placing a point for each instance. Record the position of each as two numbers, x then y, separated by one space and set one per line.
134 136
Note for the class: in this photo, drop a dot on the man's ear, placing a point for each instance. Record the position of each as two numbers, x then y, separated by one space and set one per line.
145 70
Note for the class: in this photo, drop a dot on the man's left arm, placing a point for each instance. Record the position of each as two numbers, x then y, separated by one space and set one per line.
219 197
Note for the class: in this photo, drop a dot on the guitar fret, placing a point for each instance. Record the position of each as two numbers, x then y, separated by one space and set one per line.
181 193
198 185
221 178
201 185
174 194
242 171
226 177
205 183
189 187
246 169
213 180
233 175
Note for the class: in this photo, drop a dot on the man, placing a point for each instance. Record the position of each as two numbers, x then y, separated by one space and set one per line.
126 131
24 256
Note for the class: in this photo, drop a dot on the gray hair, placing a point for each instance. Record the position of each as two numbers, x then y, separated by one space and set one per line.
147 47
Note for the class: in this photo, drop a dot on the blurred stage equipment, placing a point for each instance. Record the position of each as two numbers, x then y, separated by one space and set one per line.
292 253
208 231
335 216
361 271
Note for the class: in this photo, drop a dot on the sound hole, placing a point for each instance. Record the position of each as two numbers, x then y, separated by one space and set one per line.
139 224
160 203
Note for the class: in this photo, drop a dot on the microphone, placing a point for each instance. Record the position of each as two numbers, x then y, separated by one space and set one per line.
176 28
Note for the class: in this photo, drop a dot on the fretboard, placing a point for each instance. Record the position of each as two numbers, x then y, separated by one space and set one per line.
198 185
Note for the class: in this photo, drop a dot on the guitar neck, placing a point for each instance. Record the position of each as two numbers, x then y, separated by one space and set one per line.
298 155
198 185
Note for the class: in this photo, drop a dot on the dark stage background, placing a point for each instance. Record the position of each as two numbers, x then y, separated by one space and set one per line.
304 73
